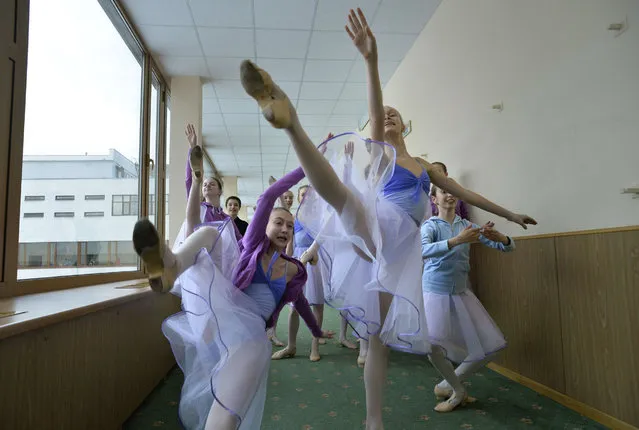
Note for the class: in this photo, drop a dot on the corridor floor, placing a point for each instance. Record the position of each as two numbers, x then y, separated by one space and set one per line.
329 394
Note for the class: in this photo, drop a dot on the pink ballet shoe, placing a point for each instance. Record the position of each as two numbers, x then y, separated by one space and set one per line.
443 393
361 361
347 344
453 402
150 248
196 161
274 103
284 353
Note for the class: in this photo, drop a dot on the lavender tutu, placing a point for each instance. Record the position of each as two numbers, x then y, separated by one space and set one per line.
460 324
219 339
392 243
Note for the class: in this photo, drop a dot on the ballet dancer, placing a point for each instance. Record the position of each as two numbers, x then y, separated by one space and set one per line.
382 221
211 209
462 208
230 293
459 328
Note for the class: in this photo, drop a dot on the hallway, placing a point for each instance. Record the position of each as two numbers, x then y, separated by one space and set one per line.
329 394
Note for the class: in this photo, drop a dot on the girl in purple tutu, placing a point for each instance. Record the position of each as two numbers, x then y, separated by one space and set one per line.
231 292
459 328
379 223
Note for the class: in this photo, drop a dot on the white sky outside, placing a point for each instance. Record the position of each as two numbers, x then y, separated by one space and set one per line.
83 83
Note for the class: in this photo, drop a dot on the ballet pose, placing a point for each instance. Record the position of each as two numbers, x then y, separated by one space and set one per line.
286 202
459 328
211 209
381 222
230 293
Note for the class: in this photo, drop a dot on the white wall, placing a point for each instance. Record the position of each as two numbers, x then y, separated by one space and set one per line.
568 139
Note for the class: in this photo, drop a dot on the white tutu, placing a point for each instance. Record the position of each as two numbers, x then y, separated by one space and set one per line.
395 250
219 340
461 326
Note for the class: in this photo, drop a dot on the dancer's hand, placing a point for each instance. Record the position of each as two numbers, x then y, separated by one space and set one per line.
468 235
349 149
522 220
309 257
361 35
491 234
191 135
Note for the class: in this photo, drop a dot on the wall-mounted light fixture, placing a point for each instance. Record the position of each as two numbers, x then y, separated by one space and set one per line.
498 107
631 190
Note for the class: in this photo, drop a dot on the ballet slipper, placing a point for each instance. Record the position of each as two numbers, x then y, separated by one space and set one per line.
284 353
315 355
150 248
195 161
274 103
276 341
361 361
347 344
443 393
453 402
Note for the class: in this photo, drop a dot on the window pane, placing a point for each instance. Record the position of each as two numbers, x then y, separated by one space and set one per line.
81 140
153 139
166 179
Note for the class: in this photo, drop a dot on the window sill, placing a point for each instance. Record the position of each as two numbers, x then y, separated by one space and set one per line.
35 311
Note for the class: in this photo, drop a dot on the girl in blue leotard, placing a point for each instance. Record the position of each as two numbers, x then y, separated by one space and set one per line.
379 217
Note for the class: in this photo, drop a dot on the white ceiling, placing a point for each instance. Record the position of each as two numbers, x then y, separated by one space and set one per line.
301 43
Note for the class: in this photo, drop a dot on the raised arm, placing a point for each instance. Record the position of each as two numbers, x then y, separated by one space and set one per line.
364 40
451 186
191 136
257 228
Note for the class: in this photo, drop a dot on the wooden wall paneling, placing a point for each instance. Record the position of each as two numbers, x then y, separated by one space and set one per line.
87 373
519 290
599 295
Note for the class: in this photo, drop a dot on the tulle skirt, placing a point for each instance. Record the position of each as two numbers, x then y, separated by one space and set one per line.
219 340
461 326
317 274
375 248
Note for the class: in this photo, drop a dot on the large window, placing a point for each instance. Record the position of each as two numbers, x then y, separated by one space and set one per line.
81 143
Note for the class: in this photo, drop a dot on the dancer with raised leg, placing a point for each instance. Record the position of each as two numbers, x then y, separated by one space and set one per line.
459 328
381 222
211 191
230 293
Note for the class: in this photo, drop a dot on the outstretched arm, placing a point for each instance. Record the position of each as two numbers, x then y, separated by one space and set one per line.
451 186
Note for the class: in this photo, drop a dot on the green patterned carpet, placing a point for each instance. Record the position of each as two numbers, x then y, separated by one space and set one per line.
329 394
